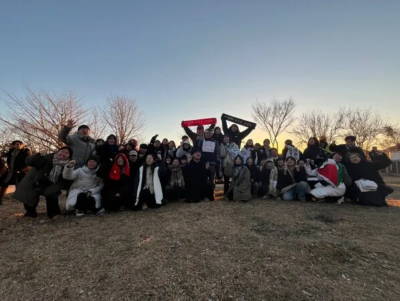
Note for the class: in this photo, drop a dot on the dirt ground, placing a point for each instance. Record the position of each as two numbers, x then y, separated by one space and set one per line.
261 250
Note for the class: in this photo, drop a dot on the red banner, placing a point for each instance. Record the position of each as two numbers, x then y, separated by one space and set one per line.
197 122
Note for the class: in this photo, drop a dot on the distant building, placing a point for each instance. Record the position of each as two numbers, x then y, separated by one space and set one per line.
393 152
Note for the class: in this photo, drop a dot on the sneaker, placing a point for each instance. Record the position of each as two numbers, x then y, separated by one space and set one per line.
79 212
144 207
101 211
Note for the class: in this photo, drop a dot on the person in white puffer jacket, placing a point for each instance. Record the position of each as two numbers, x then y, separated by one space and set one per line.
84 194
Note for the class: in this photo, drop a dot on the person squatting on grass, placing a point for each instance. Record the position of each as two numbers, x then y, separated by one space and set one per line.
106 176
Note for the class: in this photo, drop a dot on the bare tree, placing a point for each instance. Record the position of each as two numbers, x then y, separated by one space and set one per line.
316 123
367 125
274 118
390 138
38 117
123 117
97 126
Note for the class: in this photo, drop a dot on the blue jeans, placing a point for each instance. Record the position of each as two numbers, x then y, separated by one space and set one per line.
296 193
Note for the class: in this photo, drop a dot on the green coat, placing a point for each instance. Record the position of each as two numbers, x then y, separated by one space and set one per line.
41 167
241 185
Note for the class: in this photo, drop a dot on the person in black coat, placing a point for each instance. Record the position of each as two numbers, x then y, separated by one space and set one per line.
254 176
198 187
218 135
313 149
359 168
107 152
235 135
17 168
347 149
155 146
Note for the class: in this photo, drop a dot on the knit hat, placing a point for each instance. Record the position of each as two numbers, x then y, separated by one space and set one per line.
143 146
351 138
83 126
112 136
133 153
94 158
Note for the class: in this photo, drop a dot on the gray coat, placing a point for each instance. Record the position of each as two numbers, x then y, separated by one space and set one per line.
27 191
81 146
241 185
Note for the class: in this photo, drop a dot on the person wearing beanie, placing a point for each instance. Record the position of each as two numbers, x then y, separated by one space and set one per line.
185 149
292 181
347 149
17 168
240 188
80 142
84 195
46 179
199 135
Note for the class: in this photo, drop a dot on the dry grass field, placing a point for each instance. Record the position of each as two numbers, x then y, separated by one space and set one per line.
261 250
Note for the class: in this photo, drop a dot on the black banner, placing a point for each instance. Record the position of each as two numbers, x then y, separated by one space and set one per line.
238 121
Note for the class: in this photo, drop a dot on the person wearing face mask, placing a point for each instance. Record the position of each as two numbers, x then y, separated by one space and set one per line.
347 149
81 143
240 189
229 151
46 179
292 181
175 188
369 188
84 195
148 192
116 185
17 168
268 179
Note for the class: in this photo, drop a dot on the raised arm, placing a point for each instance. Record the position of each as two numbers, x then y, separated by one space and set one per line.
224 125
69 173
382 161
190 133
246 132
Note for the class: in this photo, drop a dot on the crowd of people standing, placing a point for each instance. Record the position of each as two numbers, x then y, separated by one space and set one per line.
101 176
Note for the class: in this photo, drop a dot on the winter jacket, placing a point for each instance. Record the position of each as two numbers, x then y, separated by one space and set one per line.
246 153
235 136
228 154
34 183
194 136
268 179
159 173
311 152
241 185
197 177
82 147
19 162
254 172
368 170
285 178
183 151
265 153
210 151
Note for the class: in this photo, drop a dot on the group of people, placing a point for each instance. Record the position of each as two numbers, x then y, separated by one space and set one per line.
102 176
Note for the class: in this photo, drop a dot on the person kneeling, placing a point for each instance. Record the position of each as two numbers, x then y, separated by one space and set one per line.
148 190
84 194
329 177
175 188
240 189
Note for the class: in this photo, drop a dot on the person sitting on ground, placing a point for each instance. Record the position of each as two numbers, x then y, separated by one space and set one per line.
292 181
81 143
115 194
185 149
17 168
254 176
198 187
329 178
235 135
148 192
229 151
313 149
175 189
84 195
199 135
240 188
45 179
268 179
347 149
363 173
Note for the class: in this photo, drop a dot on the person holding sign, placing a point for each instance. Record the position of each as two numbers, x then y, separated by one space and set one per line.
233 131
210 152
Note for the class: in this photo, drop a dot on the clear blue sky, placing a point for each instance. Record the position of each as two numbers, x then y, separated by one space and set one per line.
189 59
